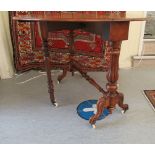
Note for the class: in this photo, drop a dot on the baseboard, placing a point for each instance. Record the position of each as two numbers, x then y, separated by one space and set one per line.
143 61
147 57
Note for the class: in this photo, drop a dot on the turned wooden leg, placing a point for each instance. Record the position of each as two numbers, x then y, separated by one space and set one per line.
60 77
44 33
112 77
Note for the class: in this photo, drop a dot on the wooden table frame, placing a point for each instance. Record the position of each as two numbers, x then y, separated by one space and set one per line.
116 31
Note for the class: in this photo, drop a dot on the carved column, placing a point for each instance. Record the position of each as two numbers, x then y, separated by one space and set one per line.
112 97
112 75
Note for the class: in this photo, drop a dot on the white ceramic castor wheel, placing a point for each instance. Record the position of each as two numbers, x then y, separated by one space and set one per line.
122 111
58 82
56 104
94 126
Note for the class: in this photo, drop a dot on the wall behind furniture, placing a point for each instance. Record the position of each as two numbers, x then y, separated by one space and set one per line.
6 52
132 45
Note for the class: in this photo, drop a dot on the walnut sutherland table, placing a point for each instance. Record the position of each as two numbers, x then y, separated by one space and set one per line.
114 30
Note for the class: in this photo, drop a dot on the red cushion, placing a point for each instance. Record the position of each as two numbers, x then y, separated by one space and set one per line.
85 41
59 39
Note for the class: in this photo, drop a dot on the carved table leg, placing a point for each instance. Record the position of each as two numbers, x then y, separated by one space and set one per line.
44 33
112 97
60 77
102 103
125 107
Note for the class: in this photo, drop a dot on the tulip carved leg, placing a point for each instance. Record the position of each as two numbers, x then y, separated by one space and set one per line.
111 97
101 104
124 107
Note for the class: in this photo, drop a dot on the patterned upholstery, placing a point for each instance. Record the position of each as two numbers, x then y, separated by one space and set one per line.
89 49
59 39
59 44
91 52
85 41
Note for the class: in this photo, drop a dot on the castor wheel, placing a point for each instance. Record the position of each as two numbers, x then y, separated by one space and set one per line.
125 109
58 82
55 104
94 126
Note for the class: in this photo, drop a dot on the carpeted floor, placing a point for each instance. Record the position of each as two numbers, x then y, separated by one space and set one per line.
27 116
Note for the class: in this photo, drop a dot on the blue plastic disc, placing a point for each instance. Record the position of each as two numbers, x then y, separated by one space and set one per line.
88 108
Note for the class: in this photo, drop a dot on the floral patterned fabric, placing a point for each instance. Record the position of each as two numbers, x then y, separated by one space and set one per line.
98 51
59 39
95 62
85 41
60 58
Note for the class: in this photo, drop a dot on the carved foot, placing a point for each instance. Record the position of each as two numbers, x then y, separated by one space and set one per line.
124 107
52 97
101 104
60 77
56 104
53 101
92 120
